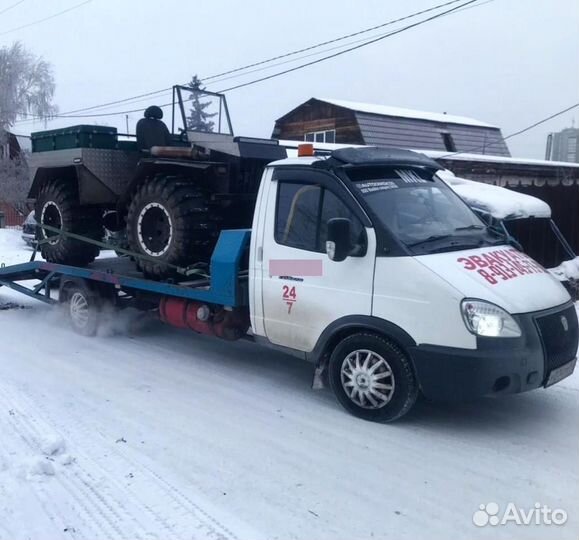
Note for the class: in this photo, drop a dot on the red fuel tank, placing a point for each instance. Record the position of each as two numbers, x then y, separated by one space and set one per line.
225 324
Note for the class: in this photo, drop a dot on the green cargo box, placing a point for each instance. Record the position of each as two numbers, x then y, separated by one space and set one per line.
75 137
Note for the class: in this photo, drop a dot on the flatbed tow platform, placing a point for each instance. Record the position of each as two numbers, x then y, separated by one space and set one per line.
224 285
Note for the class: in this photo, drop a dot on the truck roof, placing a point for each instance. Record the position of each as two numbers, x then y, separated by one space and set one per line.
366 155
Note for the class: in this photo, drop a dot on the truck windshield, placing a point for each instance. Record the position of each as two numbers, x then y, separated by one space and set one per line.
421 210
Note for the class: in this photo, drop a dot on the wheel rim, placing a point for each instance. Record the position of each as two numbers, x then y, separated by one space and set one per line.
79 310
155 230
367 379
52 217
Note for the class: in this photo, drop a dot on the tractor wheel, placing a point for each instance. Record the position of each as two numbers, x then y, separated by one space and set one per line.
170 224
57 206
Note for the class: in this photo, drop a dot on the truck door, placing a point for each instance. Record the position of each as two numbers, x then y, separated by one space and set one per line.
303 291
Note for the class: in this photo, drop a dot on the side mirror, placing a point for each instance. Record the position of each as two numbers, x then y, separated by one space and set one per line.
338 245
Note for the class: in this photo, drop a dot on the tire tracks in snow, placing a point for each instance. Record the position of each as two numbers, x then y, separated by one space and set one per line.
97 523
36 490
150 505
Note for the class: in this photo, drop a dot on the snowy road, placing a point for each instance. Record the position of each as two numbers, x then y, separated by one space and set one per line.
164 434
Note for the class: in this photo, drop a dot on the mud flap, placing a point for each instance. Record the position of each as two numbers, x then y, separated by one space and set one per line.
320 376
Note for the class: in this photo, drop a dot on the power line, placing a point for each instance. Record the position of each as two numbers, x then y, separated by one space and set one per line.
45 18
262 62
542 121
295 68
11 7
329 42
515 134
111 103
269 60
350 49
266 67
363 40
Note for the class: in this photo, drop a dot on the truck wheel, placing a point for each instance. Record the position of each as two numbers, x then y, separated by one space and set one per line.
169 222
83 308
372 378
57 207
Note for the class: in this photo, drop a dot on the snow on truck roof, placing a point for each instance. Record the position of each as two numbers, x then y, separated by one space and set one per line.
386 110
498 201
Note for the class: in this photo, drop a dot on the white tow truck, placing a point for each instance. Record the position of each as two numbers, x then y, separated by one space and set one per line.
368 264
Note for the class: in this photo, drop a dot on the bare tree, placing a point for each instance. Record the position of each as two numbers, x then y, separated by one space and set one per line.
26 85
14 179
26 88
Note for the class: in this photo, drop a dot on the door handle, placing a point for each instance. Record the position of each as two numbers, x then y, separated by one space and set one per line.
260 254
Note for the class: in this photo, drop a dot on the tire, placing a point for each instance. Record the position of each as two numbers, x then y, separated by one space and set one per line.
170 222
361 362
83 308
57 206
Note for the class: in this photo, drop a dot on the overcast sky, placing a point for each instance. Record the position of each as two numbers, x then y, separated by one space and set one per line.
507 62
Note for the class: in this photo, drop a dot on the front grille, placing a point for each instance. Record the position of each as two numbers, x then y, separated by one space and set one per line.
559 339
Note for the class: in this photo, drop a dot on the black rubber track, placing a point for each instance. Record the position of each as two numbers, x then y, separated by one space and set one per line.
75 219
195 224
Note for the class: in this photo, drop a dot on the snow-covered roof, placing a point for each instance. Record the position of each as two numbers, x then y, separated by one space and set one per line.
500 202
434 154
385 110
438 155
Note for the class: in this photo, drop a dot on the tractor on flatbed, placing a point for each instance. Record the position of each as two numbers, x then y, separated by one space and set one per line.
167 195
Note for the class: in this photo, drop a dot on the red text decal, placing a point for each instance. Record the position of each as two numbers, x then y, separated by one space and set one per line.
289 296
501 265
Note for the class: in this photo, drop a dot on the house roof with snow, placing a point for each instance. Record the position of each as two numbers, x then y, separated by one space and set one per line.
399 112
325 120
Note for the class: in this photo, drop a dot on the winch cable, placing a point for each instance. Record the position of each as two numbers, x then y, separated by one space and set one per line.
185 271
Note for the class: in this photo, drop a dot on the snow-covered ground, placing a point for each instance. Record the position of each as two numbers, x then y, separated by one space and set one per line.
153 433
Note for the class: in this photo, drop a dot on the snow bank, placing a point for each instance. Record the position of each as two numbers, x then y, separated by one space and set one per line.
500 202
10 238
52 445
40 467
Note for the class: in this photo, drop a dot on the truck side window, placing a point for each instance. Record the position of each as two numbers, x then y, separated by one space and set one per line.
298 207
302 214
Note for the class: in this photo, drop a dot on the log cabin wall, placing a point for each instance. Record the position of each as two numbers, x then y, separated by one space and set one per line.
315 116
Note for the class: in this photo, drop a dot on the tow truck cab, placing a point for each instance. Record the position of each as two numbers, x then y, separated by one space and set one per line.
369 264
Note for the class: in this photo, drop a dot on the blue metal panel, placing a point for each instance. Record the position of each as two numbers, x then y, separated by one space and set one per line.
225 264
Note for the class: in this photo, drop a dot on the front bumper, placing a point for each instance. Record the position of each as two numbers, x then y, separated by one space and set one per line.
500 365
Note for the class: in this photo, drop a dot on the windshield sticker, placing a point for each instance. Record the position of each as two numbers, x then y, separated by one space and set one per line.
501 265
379 185
410 177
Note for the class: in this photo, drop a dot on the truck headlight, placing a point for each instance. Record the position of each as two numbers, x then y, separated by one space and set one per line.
486 319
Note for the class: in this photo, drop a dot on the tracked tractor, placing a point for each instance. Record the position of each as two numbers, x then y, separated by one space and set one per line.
166 193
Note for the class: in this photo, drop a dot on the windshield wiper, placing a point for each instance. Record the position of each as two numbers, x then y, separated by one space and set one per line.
432 238
470 228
